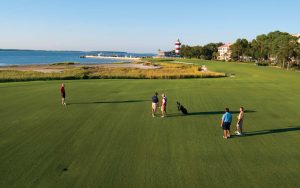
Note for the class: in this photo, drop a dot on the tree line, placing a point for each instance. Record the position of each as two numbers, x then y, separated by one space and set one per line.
276 48
207 52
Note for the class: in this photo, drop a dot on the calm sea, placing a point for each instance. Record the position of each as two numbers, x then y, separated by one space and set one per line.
28 57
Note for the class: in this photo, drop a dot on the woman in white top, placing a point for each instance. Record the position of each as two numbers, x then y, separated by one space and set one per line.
163 105
239 125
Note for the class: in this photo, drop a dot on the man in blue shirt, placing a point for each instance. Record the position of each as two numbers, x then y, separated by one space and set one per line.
226 122
154 104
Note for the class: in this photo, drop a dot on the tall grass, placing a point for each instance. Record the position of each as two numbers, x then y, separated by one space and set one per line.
164 71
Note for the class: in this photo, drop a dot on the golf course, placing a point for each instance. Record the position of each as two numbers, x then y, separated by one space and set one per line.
106 136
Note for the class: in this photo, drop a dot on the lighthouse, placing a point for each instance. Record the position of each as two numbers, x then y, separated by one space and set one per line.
177 47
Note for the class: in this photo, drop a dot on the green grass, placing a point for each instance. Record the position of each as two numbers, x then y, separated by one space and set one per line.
106 137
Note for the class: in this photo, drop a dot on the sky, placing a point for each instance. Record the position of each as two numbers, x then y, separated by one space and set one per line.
139 26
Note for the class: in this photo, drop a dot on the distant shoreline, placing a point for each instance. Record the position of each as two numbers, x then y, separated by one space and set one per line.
111 57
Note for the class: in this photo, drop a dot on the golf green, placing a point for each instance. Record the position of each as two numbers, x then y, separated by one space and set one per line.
106 136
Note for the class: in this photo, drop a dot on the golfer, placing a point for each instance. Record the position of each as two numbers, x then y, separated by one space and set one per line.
154 104
63 94
239 125
226 122
163 105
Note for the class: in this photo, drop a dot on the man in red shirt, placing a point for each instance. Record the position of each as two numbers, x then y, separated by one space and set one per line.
63 94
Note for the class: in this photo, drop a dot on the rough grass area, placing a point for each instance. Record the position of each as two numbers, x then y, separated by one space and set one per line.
15 75
161 70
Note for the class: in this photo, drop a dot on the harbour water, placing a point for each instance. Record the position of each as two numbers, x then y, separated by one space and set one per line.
31 57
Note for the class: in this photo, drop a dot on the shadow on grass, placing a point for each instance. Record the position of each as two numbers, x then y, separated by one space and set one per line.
108 102
272 131
207 113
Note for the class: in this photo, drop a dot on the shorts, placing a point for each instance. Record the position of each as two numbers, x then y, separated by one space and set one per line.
154 106
226 125
63 95
164 108
240 124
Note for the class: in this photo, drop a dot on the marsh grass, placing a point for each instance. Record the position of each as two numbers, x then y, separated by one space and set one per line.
163 70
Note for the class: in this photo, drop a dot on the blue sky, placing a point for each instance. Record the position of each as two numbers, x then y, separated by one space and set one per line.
139 26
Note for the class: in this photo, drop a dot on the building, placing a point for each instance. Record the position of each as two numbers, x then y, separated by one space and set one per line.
170 54
297 35
164 54
224 52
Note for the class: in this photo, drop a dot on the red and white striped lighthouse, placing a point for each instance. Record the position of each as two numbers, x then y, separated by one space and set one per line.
177 47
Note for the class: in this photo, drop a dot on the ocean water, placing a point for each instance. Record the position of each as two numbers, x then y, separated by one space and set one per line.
28 57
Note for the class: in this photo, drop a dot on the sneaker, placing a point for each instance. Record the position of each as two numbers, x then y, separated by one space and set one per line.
153 115
224 137
162 116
